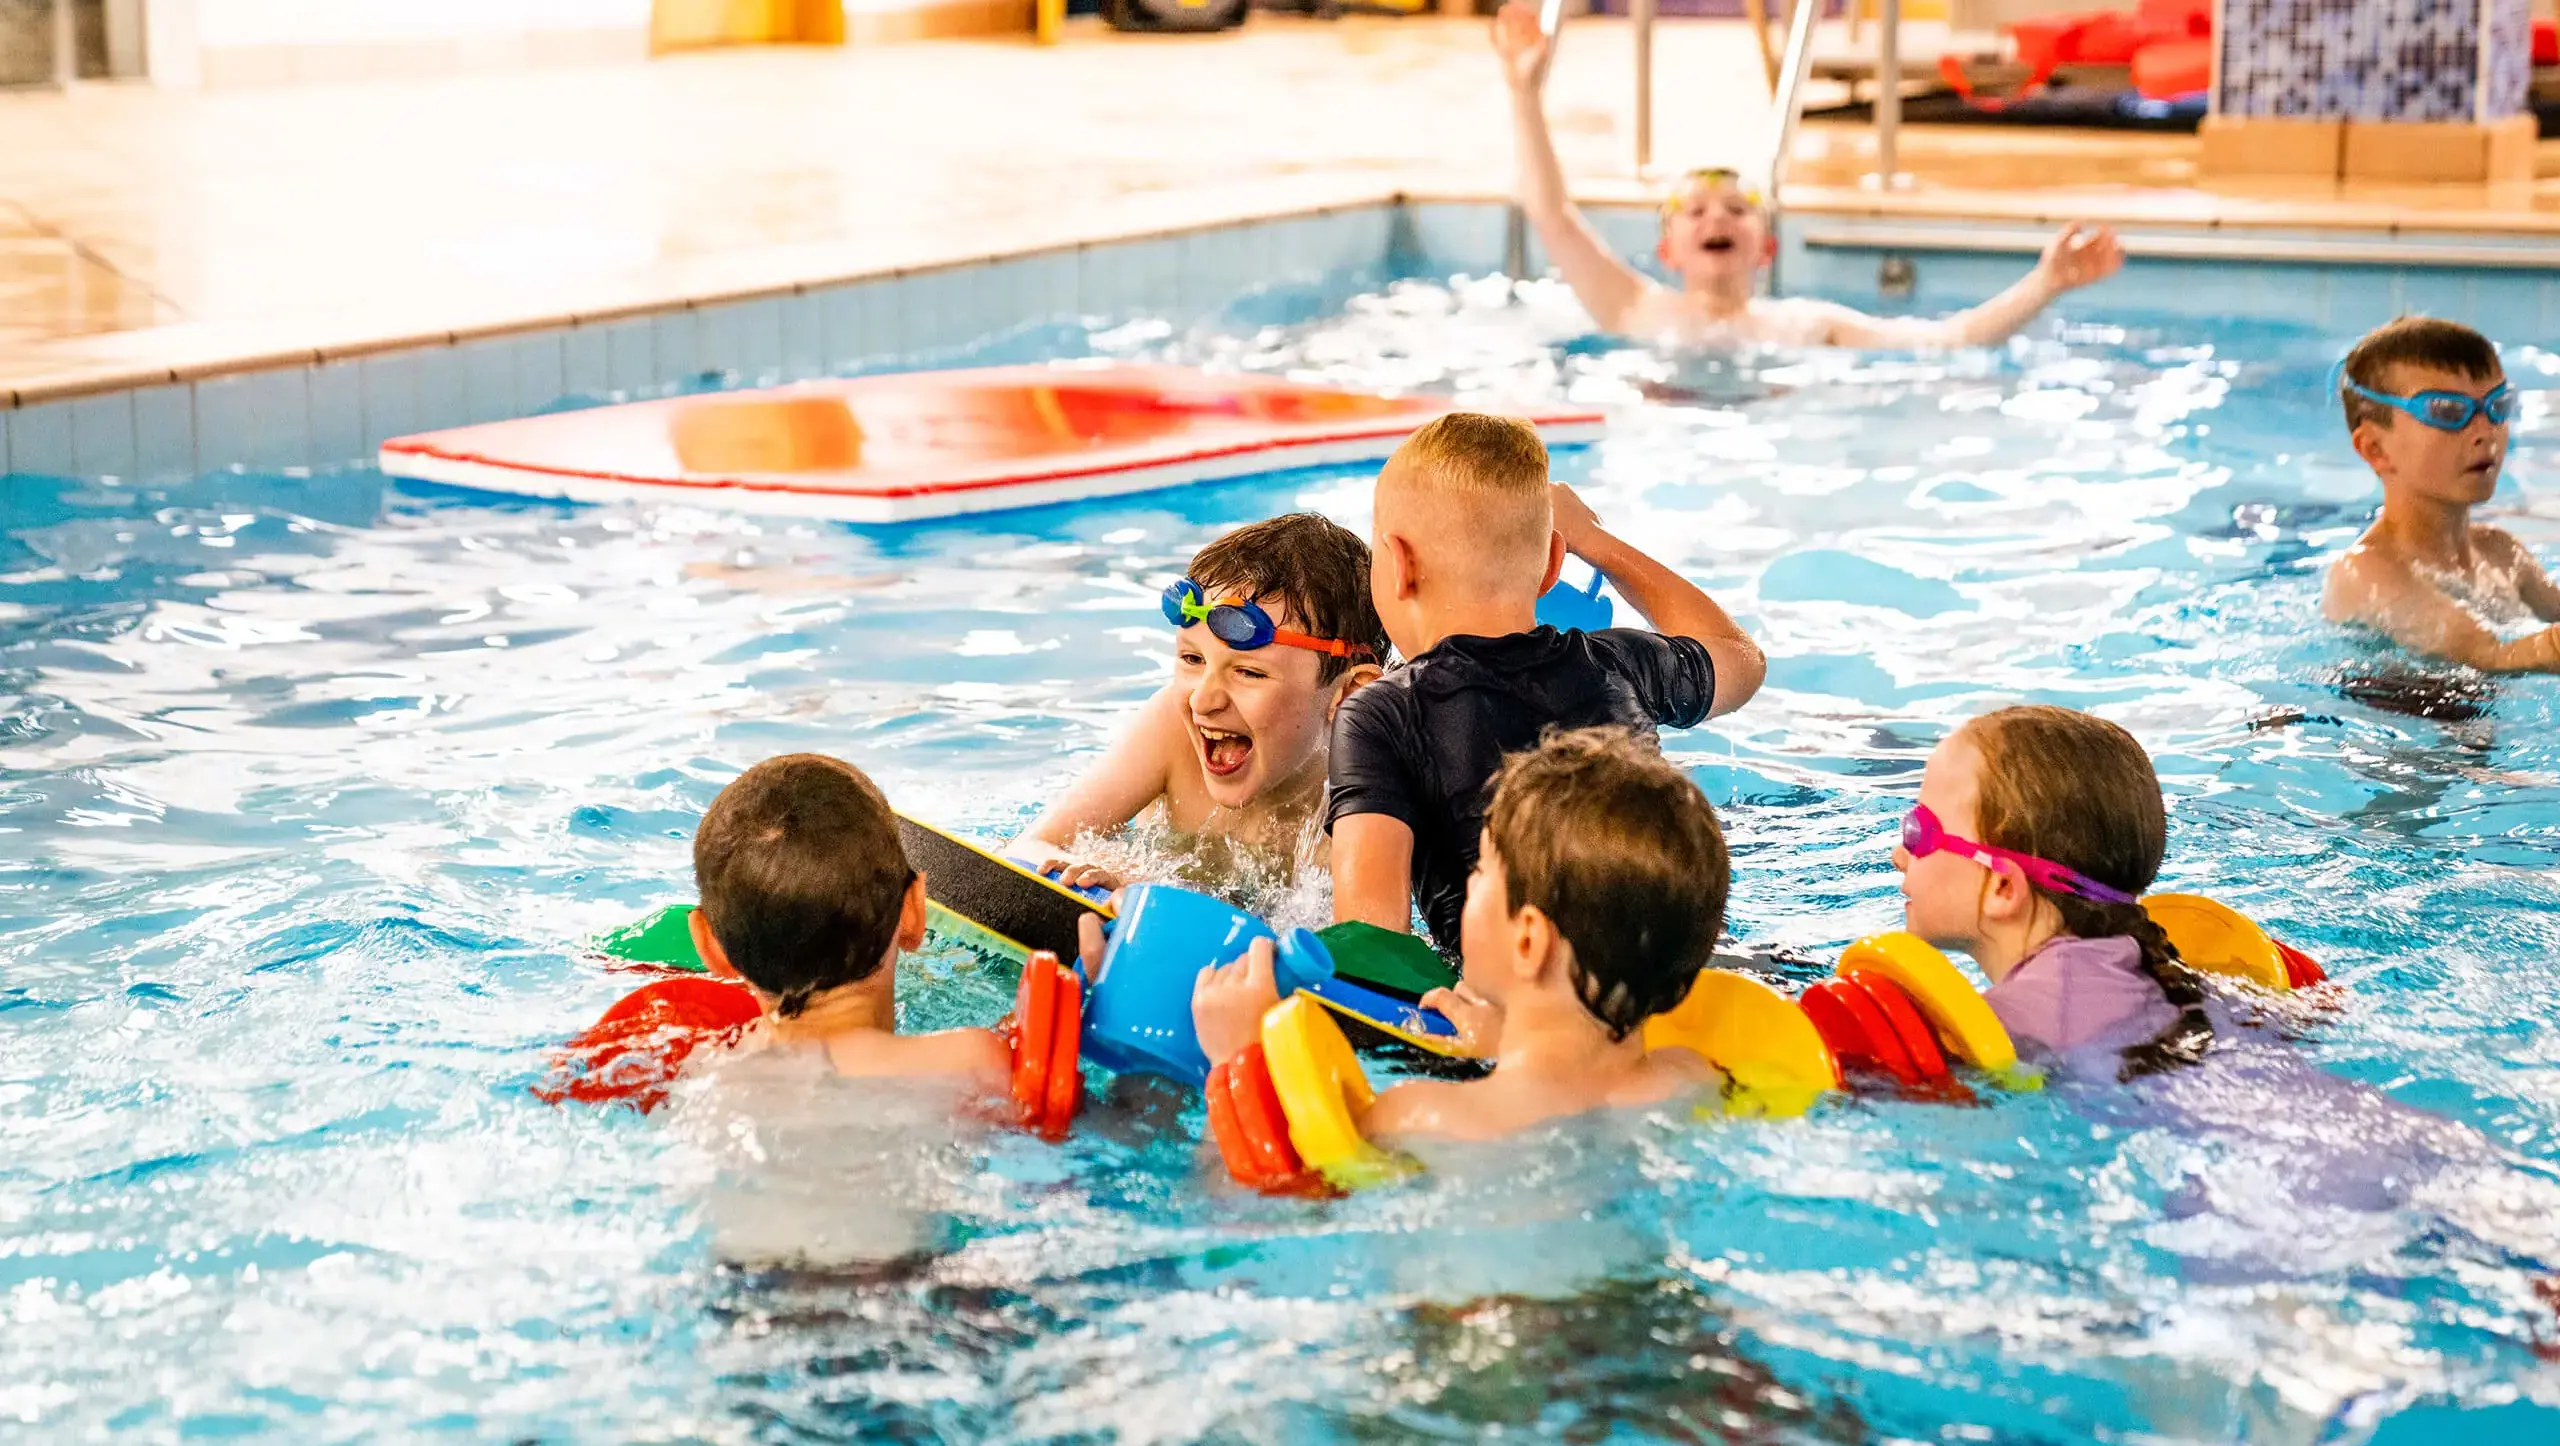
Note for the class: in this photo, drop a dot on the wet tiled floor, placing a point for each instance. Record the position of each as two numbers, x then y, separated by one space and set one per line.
147 232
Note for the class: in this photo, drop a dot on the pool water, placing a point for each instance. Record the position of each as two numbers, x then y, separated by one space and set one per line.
309 787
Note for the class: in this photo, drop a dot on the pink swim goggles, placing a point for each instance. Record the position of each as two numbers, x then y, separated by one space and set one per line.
1923 835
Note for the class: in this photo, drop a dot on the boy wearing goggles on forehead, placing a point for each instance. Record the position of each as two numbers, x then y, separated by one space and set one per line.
1716 240
2428 408
1272 628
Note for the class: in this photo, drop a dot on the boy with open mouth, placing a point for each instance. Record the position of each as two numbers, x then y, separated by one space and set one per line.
1273 628
1716 240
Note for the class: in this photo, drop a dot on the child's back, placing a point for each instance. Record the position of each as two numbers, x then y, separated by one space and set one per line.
808 899
1468 533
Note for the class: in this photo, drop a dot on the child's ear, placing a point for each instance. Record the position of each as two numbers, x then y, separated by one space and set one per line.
2006 897
1353 679
1406 570
1533 941
2372 444
706 946
1555 562
911 915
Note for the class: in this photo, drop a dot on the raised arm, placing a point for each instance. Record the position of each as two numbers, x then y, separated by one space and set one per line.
1128 778
1607 287
2077 256
1670 602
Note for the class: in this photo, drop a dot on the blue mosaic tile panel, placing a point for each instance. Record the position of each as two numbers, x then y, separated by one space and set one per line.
2406 60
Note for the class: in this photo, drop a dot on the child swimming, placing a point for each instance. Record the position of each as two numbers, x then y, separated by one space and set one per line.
1716 240
1597 894
808 900
2427 407
1468 533
2036 832
1273 629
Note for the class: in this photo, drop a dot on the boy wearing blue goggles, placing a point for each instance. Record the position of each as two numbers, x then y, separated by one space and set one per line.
1231 753
2428 407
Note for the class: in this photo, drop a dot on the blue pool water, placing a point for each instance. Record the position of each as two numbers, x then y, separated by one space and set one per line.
308 787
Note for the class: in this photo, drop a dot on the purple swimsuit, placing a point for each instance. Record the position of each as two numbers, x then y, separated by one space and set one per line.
2075 994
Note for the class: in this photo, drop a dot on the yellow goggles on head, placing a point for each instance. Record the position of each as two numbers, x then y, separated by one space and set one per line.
1715 176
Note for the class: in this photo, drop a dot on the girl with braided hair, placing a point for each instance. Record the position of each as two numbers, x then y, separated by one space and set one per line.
2037 831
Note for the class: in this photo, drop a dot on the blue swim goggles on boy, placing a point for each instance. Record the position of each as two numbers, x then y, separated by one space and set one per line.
1242 625
2444 411
1923 835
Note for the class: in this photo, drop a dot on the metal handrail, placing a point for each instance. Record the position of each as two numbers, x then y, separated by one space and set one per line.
1790 105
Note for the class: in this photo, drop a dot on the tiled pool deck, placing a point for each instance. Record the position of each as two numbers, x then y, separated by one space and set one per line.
158 247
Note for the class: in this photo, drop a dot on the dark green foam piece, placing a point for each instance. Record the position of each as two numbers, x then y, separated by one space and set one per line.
1386 960
664 938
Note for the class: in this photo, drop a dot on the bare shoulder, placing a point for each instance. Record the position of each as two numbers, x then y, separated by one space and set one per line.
1421 1108
2363 584
974 1055
2501 547
1668 1074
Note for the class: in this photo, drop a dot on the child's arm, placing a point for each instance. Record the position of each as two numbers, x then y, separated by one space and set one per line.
1111 792
1607 288
1373 871
1670 602
2533 585
2365 588
2073 259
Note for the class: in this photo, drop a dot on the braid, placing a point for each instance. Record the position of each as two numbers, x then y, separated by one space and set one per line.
2191 1033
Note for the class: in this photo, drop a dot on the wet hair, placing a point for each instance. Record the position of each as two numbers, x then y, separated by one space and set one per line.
2418 341
1692 179
2078 790
1497 467
802 876
1316 568
1620 849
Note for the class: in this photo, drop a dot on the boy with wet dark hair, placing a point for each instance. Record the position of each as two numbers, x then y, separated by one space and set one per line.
2428 407
1598 891
808 899
1273 628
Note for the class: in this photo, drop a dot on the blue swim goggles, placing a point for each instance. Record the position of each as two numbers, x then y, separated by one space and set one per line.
2444 411
1244 626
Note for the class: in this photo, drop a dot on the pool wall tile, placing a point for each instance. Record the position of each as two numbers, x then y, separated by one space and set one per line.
390 387
541 358
490 388
741 339
258 421
631 354
40 441
586 362
1458 237
848 324
337 414
444 399
675 350
1054 279
102 436
2439 293
2362 297
6 466
804 337
164 431
1108 280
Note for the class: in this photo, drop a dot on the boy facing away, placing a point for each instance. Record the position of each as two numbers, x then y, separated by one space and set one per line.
1716 240
1597 894
1273 628
2427 407
1468 534
808 900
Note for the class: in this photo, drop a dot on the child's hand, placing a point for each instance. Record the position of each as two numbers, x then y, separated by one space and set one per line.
1520 43
1089 944
1228 1002
1074 875
1575 522
2080 256
1478 1021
